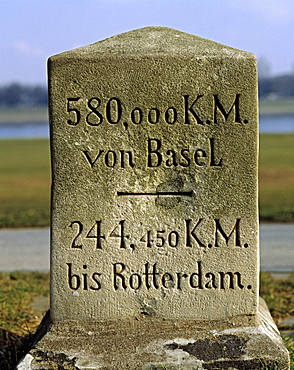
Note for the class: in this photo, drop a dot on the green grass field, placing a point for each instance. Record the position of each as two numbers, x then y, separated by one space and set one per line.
276 177
25 181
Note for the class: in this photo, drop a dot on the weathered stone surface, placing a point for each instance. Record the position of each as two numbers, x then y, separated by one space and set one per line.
154 201
154 209
147 342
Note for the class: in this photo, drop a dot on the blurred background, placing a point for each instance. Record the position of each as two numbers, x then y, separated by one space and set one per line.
33 30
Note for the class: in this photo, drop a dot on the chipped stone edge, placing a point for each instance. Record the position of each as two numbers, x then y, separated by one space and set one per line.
25 363
176 358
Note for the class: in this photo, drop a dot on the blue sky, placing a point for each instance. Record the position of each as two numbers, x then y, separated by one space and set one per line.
33 30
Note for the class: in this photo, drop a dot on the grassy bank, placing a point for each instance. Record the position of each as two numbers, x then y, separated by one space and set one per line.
18 290
23 115
25 181
276 107
18 320
276 178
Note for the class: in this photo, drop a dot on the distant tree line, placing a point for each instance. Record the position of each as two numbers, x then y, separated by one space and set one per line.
19 95
279 86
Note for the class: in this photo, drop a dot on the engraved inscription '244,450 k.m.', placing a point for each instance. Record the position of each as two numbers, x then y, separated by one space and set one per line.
189 236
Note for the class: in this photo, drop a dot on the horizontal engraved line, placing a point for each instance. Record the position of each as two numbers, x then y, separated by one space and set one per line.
166 193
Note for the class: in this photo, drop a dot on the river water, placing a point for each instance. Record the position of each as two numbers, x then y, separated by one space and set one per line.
267 124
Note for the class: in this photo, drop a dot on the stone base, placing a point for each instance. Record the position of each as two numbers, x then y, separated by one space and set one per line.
147 342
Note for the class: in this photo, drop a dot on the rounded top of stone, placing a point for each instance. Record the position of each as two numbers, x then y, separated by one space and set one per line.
154 41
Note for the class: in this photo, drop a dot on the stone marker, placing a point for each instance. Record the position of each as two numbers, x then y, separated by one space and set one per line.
154 248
